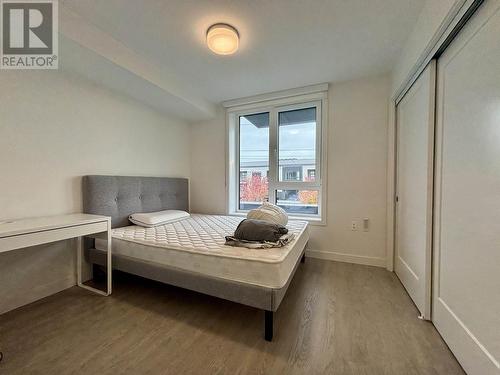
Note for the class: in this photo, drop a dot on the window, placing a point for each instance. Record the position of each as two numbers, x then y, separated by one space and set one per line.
275 154
253 158
296 142
298 201
291 173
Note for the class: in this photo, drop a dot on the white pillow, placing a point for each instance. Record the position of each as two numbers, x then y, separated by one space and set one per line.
153 219
269 212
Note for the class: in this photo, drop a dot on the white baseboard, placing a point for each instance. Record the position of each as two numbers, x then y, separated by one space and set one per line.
347 258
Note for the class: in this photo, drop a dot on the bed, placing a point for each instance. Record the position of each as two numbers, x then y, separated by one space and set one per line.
189 253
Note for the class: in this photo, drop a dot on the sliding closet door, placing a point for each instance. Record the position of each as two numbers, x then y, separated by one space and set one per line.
466 308
415 157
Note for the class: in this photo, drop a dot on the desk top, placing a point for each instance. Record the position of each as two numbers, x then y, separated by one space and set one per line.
18 227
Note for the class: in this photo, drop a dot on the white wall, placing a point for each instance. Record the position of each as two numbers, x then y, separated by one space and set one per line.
357 159
430 20
208 165
54 128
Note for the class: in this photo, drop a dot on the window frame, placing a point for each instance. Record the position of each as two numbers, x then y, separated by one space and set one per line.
319 100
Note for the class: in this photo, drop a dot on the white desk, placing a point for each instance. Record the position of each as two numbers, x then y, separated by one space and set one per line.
22 233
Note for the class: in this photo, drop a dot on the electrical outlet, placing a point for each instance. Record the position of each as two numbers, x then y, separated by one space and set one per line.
354 225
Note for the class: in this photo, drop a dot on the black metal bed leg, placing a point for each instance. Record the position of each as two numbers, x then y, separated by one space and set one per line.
303 259
268 325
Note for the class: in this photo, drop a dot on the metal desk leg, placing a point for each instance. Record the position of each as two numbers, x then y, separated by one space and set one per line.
109 266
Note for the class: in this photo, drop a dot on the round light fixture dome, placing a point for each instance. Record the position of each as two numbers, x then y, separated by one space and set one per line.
223 39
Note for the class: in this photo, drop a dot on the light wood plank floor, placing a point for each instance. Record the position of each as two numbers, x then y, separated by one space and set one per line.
336 319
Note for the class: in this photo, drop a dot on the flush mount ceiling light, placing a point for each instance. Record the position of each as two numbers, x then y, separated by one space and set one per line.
223 39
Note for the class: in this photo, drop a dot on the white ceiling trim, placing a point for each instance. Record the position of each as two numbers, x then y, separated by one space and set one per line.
74 27
312 89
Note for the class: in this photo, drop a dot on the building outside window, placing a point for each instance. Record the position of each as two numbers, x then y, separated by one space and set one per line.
311 174
292 173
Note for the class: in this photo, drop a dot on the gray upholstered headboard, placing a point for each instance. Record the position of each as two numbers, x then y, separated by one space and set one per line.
120 196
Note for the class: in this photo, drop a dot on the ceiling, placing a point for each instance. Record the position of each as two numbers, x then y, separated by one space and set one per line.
284 44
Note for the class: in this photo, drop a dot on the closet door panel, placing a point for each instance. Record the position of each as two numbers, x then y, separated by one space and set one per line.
414 182
467 237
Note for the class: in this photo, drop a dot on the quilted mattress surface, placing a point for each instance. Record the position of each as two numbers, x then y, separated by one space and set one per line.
197 244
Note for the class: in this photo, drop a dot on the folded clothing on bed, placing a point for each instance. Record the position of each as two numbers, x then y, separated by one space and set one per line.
259 230
283 240
259 234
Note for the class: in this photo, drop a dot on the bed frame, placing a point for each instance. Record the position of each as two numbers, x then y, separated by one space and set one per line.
120 196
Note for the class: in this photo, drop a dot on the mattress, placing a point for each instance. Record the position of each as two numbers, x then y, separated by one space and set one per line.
196 244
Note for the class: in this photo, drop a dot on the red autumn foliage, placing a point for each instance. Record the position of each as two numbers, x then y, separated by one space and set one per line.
308 196
254 189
